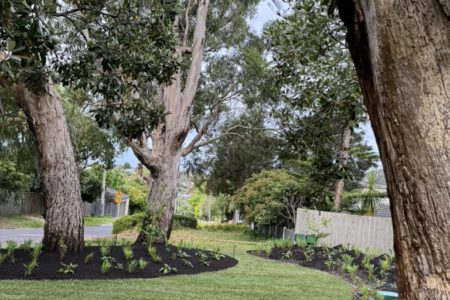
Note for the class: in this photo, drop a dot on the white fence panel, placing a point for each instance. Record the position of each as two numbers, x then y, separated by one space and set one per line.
346 229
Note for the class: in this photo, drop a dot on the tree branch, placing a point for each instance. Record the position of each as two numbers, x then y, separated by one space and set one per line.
145 155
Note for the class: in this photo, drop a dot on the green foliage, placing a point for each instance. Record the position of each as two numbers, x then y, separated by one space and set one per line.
287 254
30 267
131 266
153 254
225 227
142 264
26 245
105 266
127 253
67 268
11 246
127 223
36 251
184 221
88 259
187 263
195 200
104 250
166 269
319 92
11 179
270 196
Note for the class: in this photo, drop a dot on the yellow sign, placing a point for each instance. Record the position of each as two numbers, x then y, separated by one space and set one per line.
117 197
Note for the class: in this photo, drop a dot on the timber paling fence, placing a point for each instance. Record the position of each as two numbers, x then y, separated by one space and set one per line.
349 230
20 203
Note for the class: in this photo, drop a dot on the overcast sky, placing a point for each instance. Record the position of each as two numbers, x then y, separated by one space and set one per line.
266 12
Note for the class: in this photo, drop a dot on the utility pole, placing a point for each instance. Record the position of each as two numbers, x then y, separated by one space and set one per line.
102 197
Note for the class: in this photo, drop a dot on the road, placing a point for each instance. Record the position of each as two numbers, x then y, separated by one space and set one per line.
35 234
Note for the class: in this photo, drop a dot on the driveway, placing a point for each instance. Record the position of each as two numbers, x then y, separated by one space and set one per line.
35 234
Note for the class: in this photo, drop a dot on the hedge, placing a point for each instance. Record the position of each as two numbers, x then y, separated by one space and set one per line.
132 221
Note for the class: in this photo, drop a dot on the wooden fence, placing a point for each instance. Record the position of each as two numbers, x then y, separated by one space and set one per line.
20 203
346 229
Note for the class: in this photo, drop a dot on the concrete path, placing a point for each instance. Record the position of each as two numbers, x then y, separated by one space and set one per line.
35 234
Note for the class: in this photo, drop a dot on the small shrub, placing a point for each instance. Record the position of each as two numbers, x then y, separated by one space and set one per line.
26 245
105 266
118 266
370 272
203 261
368 293
10 248
351 270
217 256
182 254
153 254
89 258
127 253
3 257
36 251
30 267
308 252
187 263
104 250
184 221
127 223
346 259
132 264
287 254
67 268
142 264
166 269
385 265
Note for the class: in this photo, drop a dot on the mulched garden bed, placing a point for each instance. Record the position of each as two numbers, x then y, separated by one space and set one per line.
336 261
175 258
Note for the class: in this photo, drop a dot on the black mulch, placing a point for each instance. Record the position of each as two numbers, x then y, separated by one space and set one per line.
49 264
384 282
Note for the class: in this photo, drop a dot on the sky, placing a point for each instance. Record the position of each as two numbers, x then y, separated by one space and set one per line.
266 12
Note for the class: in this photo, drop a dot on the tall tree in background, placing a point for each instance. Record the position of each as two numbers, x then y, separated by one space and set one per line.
29 33
320 106
401 51
203 29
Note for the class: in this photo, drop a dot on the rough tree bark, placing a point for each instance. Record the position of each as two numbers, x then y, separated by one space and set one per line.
63 213
167 139
401 51
339 188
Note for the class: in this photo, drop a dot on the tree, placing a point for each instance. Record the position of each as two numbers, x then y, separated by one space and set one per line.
321 104
368 197
272 197
201 28
401 53
33 41
245 147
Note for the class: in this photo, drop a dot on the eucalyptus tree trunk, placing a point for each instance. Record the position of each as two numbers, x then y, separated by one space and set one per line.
339 188
63 229
168 137
401 51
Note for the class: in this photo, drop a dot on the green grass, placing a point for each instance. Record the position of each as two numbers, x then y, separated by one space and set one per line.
97 221
14 222
11 222
252 278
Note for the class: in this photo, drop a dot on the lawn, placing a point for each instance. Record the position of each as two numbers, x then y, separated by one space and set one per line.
14 222
252 278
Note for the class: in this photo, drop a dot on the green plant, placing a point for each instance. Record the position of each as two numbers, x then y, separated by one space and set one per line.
10 248
204 261
104 250
370 272
26 245
356 250
127 223
346 259
118 266
329 264
142 264
67 268
182 254
317 229
368 293
131 266
217 256
166 269
351 269
127 253
385 265
308 252
89 258
201 255
187 263
287 254
365 261
184 221
36 251
30 267
153 254
105 266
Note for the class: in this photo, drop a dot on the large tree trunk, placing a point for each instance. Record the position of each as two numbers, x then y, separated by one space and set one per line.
339 188
168 137
401 51
63 213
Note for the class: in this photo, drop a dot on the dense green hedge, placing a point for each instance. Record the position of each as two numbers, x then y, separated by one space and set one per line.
132 221
184 221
